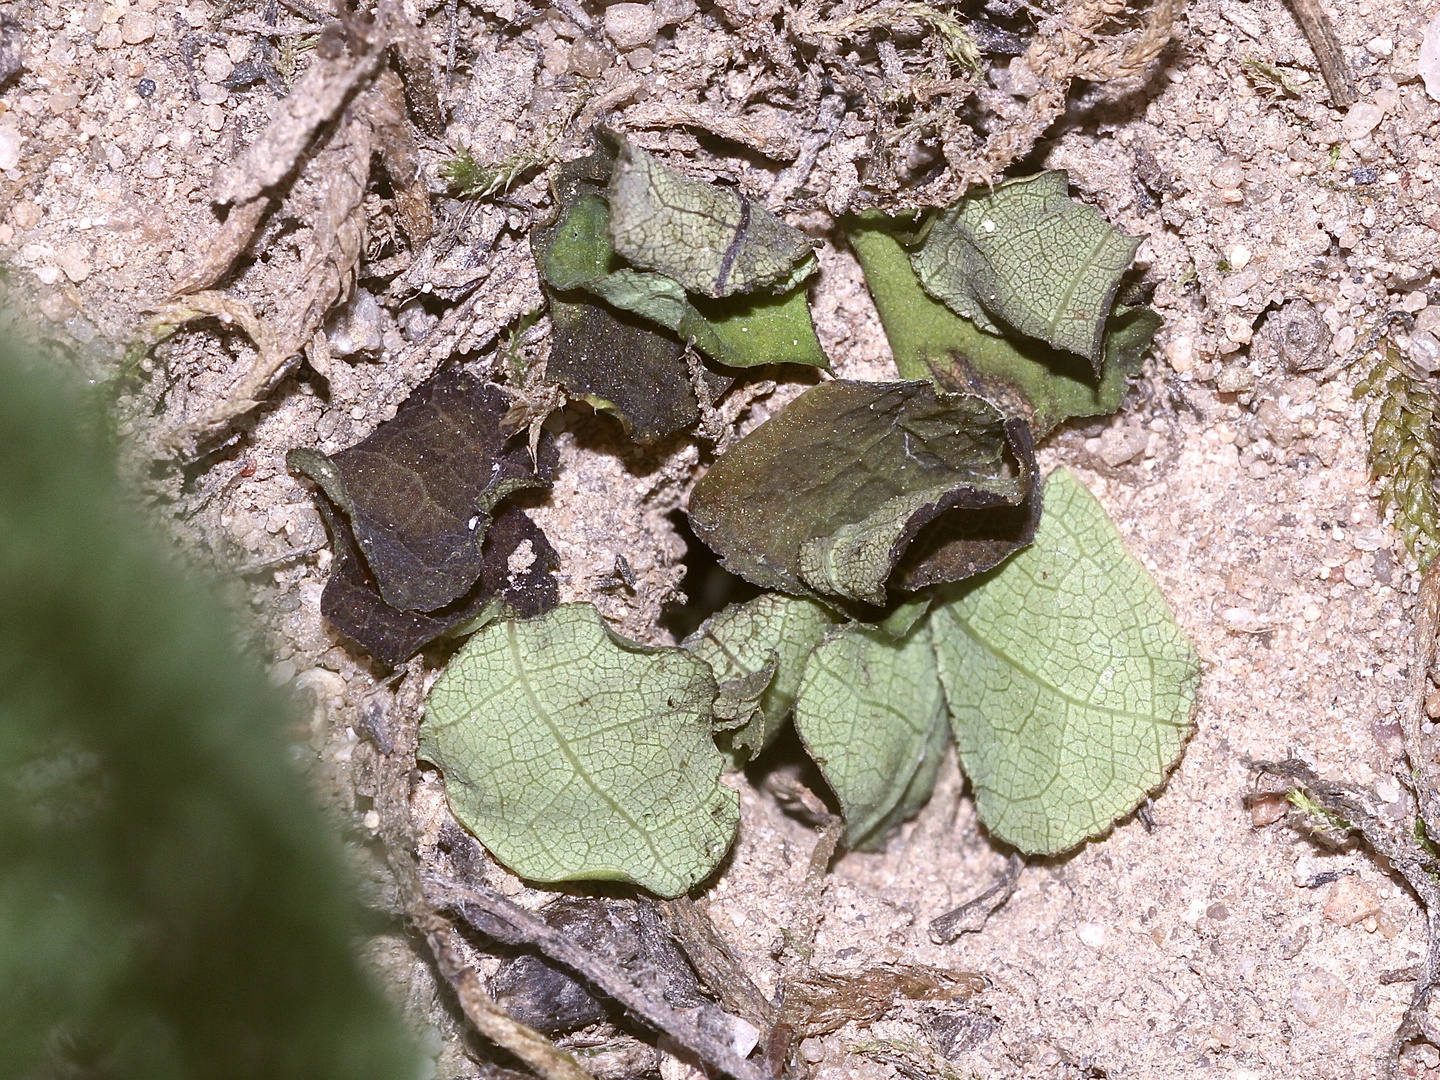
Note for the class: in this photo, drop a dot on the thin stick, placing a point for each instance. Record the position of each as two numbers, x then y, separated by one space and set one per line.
1393 842
397 830
497 917
689 924
1320 32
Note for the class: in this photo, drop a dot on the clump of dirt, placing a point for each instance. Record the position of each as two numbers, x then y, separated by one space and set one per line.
1283 236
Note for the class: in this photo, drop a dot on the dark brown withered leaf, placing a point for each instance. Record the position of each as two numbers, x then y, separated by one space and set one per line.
354 606
829 496
420 491
611 359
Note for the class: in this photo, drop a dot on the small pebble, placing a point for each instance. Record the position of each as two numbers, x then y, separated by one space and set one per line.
72 260
1380 46
630 26
1363 118
145 87
1267 809
1350 900
1238 329
217 66
1432 705
211 94
25 213
674 12
9 149
587 58
1227 173
137 27
1091 934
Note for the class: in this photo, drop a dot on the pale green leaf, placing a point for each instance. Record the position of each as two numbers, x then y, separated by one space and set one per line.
711 239
741 331
1070 685
572 753
1025 255
771 633
930 340
871 713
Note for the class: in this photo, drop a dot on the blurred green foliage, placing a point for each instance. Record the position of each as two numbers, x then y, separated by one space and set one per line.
171 903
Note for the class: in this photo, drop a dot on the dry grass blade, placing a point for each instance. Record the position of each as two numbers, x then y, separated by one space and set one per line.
1066 49
689 924
221 252
418 62
497 917
340 173
397 830
820 1002
1332 812
766 138
316 99
230 310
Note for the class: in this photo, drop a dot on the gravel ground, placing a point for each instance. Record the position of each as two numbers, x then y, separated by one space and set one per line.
1203 938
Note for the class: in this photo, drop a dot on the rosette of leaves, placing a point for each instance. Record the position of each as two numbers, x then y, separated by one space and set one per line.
641 262
918 595
1010 292
426 541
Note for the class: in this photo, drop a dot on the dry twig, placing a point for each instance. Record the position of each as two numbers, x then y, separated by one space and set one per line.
1335 69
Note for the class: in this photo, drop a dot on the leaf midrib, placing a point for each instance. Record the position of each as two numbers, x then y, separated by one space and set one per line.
523 675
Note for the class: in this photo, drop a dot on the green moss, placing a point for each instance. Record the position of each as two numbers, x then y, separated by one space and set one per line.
1403 451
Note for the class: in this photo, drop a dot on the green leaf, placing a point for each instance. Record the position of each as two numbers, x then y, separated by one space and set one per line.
174 903
572 753
930 340
610 359
1070 686
739 331
710 239
829 496
1028 256
421 489
871 713
771 633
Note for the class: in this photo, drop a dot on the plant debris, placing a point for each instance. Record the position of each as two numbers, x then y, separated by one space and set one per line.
757 651
421 490
711 240
1025 254
312 162
871 712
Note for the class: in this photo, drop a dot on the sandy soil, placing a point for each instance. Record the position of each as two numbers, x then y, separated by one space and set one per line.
1197 944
